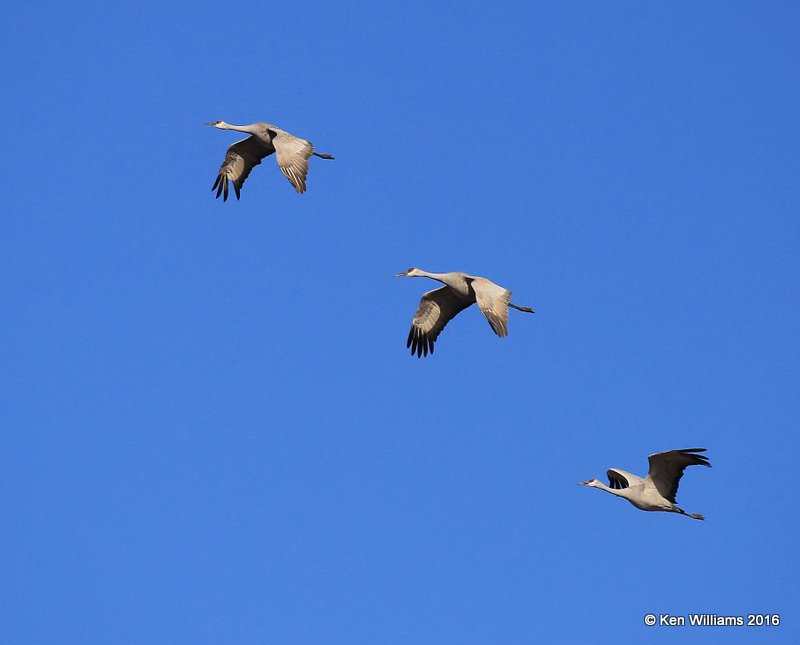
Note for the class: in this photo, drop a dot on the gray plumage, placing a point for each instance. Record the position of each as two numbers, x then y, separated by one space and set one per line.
292 154
438 307
657 491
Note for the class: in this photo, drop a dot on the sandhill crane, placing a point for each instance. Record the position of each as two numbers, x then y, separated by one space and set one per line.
438 307
292 153
657 491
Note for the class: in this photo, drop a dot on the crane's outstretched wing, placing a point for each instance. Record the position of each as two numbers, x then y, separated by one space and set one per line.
292 154
493 301
240 159
436 309
619 479
666 469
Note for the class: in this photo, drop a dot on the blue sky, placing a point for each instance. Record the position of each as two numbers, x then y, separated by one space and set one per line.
213 431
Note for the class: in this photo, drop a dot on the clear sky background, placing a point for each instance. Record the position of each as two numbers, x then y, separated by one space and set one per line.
212 429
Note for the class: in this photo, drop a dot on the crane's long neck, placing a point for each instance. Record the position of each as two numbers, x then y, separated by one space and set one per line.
453 280
458 282
441 277
239 128
614 491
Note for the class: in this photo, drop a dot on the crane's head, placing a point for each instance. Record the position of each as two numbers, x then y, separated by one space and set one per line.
411 273
589 482
218 124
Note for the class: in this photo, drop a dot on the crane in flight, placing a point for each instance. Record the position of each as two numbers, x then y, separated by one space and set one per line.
291 152
438 307
657 491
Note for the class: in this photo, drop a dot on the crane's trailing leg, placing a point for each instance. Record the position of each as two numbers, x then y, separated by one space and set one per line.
322 155
694 516
518 308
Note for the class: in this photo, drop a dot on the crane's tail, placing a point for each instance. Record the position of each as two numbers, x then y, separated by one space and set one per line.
322 155
518 308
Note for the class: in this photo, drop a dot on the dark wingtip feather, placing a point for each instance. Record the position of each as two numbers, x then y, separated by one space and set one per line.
421 343
698 460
